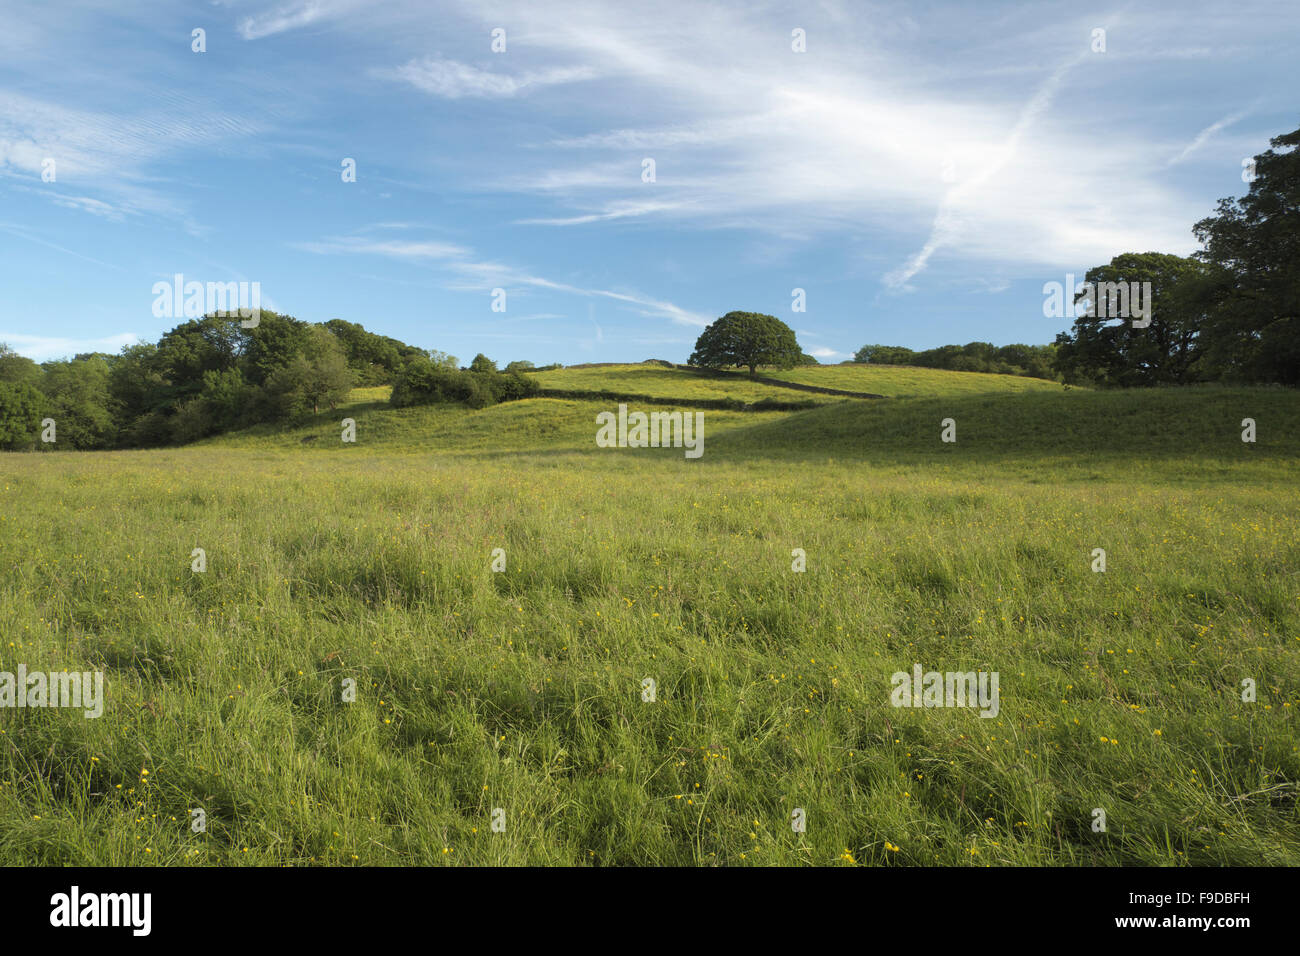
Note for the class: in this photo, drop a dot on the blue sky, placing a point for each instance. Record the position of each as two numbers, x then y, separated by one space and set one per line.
921 170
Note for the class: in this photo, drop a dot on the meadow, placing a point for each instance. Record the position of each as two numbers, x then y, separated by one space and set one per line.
522 689
907 382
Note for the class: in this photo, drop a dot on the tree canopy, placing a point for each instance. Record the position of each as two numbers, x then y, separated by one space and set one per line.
748 340
1101 350
1036 361
1254 316
427 382
203 377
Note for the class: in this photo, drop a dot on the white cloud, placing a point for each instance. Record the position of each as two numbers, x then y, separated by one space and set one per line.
453 80
477 275
852 138
614 210
291 16
1204 135
394 249
108 152
948 222
42 348
824 353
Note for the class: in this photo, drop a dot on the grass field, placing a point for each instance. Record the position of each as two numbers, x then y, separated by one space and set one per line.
900 381
661 382
888 380
522 690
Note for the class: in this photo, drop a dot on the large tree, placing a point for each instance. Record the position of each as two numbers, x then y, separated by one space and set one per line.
77 398
884 355
270 345
375 359
747 339
20 415
1108 350
1255 322
17 369
317 375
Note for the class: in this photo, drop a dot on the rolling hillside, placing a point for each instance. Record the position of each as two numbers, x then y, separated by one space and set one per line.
900 381
998 418
887 380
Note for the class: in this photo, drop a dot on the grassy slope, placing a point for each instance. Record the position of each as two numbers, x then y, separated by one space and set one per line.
891 381
522 690
543 425
661 382
898 381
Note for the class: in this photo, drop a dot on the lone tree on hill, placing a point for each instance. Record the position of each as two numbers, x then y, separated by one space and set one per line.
747 339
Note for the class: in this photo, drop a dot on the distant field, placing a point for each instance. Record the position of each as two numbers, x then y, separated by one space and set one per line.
899 381
661 382
372 393
537 424
523 690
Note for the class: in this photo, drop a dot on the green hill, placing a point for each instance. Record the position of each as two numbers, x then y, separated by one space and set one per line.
998 418
900 381
1076 426
888 380
670 383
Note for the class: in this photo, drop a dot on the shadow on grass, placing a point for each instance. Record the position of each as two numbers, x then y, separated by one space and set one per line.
1152 424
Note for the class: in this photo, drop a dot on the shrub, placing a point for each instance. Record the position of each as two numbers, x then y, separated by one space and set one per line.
423 382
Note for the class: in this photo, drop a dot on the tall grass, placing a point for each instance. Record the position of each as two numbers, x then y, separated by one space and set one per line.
522 690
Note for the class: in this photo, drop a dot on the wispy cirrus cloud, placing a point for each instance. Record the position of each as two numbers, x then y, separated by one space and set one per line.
622 209
292 16
801 147
472 274
27 235
948 222
818 144
453 80
1206 134
108 152
428 251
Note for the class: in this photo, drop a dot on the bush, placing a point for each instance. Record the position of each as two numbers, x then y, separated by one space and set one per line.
423 382
514 386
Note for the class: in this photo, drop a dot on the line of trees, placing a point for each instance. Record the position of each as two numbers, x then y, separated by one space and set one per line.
205 376
1037 361
212 375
